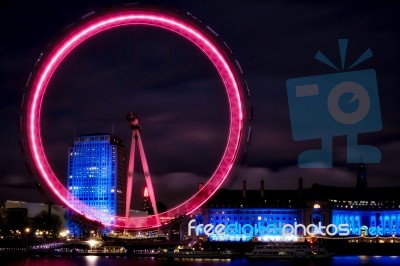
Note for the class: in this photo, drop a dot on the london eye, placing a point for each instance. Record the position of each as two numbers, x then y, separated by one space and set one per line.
183 25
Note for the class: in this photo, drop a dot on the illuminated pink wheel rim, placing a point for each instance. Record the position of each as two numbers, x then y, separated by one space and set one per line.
109 21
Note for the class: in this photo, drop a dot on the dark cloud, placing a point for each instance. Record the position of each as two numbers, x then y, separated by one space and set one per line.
287 178
179 96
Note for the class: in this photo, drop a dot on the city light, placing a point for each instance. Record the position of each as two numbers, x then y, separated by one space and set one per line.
369 223
64 233
92 242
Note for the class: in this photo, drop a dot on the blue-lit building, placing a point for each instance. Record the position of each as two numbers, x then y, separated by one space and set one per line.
259 208
366 211
97 172
369 211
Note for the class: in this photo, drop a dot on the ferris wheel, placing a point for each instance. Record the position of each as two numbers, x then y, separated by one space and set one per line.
185 26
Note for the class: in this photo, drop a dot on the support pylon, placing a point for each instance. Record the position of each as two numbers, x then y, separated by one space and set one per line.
136 128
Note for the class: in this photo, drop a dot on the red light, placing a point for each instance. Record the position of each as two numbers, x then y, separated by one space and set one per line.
108 21
145 193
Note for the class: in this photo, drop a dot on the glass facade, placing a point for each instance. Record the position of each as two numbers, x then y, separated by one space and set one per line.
97 172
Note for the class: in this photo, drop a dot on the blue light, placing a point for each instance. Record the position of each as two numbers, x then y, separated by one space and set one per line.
261 216
97 170
382 223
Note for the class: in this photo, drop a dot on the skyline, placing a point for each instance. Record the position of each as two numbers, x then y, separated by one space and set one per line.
169 92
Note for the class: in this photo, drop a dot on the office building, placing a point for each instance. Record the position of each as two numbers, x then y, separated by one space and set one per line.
97 172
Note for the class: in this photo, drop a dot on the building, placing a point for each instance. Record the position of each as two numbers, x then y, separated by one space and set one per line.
33 219
146 200
34 209
97 172
265 213
250 209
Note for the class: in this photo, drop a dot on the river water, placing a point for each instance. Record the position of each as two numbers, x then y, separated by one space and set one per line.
147 261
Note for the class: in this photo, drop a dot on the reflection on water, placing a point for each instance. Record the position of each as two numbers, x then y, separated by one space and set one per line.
366 260
125 261
91 260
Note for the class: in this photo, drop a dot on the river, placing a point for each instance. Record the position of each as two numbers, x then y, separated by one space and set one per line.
148 261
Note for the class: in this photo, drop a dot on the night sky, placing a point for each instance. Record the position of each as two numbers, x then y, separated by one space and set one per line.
179 97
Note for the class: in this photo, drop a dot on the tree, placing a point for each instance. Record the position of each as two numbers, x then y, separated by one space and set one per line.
43 222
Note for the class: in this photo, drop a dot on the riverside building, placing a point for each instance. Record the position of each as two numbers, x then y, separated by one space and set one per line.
367 211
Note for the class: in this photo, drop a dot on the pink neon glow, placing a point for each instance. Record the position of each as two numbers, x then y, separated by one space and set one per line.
106 22
147 177
145 193
129 182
